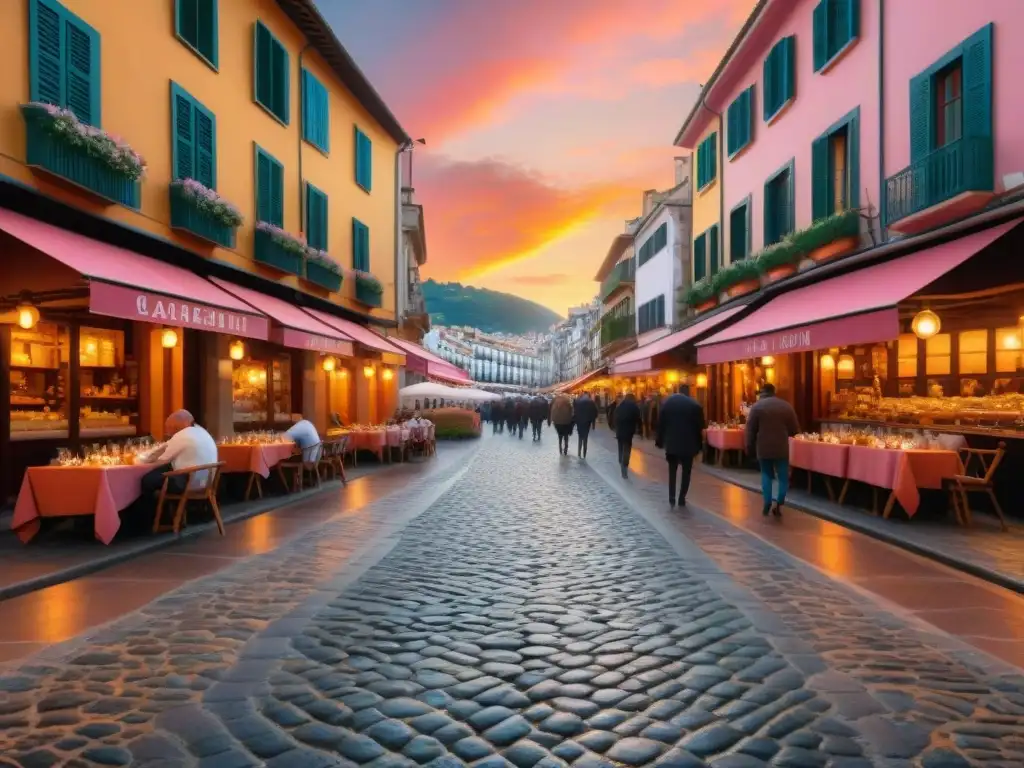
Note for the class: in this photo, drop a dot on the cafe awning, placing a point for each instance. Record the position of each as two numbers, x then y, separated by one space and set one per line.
579 381
362 335
422 361
131 286
292 327
855 308
641 360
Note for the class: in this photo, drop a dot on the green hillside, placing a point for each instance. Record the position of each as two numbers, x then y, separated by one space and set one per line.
490 311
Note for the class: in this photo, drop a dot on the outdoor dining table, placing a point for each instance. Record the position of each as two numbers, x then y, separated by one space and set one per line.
826 459
900 471
725 439
256 459
378 441
65 491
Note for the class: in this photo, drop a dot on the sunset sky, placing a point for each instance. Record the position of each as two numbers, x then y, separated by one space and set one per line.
544 122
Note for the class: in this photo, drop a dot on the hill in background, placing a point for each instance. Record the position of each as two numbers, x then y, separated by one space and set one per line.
489 311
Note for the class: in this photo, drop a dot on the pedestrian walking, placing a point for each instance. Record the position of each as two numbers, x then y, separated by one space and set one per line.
770 423
561 417
610 412
510 416
521 416
627 422
680 432
538 415
497 417
584 415
645 417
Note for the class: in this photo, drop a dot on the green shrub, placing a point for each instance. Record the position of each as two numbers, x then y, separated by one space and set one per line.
737 272
698 293
454 423
781 254
825 231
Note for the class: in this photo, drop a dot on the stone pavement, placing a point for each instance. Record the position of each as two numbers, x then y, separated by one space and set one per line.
519 609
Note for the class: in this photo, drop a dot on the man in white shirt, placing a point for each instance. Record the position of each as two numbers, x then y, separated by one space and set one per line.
305 436
189 446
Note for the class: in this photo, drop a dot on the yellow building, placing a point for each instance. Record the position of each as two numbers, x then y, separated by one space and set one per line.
271 175
706 248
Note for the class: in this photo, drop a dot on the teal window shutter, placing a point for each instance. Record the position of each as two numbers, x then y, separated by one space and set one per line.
269 189
281 83
819 25
700 257
770 214
364 160
712 157
853 158
64 59
183 151
83 72
739 121
739 232
277 194
196 25
821 200
921 130
768 84
788 68
270 73
206 146
700 165
315 112
316 218
713 260
360 246
977 83
779 76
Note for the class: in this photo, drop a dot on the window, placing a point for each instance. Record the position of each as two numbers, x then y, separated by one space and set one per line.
836 26
779 77
937 351
706 160
739 122
1008 349
949 108
360 246
269 189
906 356
64 60
195 24
700 258
713 258
364 161
651 314
316 218
316 117
661 237
778 205
835 168
194 147
973 352
739 231
653 245
270 71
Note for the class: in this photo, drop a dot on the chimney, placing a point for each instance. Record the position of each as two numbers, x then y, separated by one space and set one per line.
649 200
682 169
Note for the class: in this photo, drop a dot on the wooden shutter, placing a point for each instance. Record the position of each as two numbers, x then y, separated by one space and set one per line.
82 70
184 135
732 130
768 77
819 25
747 121
279 66
849 18
699 257
853 158
712 169
263 44
187 19
316 218
205 145
315 112
713 260
206 29
770 214
277 193
977 83
788 65
46 53
921 104
264 211
820 179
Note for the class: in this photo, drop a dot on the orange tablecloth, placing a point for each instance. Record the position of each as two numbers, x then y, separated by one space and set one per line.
367 439
258 459
823 458
727 439
398 437
67 491
902 471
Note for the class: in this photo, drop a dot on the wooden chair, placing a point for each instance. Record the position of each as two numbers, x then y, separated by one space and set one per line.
206 494
959 486
305 463
333 458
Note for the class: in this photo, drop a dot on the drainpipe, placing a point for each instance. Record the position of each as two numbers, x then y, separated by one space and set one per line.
302 197
402 148
881 121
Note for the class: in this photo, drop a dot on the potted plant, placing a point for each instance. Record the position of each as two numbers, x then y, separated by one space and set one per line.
701 295
369 291
279 249
201 211
778 261
323 270
737 279
87 156
830 237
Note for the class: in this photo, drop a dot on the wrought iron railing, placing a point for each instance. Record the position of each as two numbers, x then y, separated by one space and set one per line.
623 273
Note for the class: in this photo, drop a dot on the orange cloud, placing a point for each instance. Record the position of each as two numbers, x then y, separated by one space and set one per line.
657 73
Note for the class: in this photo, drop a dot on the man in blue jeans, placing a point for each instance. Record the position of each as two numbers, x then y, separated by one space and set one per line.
770 423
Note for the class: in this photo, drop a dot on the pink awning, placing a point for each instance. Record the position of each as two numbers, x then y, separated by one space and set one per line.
295 329
855 308
641 360
581 380
358 333
131 286
446 373
423 361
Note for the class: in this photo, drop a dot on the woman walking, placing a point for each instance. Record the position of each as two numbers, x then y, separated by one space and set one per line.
561 417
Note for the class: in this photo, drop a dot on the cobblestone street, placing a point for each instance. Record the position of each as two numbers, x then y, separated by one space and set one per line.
516 608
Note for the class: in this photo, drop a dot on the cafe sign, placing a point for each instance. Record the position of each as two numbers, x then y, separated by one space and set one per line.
295 339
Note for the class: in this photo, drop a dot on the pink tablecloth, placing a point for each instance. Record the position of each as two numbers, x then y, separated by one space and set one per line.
726 439
823 458
398 436
367 440
258 459
902 471
69 491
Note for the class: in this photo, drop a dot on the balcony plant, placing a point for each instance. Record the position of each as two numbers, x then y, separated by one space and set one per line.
201 211
369 291
323 270
737 279
280 250
829 238
701 295
87 156
778 261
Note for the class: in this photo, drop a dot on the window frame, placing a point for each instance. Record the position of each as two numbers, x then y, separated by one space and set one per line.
791 170
311 84
214 61
197 106
823 199
284 119
747 204
257 153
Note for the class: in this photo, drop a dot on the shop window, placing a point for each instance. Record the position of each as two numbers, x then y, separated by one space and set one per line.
64 60
836 27
269 189
195 23
739 231
360 246
108 386
846 368
38 386
281 372
779 77
973 352
316 112
262 392
194 127
906 356
270 70
937 355
364 160
778 205
1008 349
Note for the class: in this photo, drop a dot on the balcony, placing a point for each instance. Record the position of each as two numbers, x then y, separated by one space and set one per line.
615 329
949 183
622 275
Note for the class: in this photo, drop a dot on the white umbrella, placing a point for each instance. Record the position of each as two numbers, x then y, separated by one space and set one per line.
428 389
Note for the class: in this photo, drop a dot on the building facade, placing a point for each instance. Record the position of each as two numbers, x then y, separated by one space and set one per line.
489 358
617 276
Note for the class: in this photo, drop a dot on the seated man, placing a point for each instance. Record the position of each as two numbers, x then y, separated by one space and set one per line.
305 436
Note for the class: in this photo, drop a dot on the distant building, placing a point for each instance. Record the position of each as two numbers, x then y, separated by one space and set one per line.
491 358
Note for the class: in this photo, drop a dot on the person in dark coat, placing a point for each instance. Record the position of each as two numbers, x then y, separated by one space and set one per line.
770 423
680 431
584 414
510 415
521 416
538 415
627 422
497 417
610 412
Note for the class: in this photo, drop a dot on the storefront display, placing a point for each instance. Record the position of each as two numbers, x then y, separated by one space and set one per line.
261 390
39 370
108 385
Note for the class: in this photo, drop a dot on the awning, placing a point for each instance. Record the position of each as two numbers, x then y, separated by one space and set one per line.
420 360
131 286
855 308
581 380
360 334
642 360
293 328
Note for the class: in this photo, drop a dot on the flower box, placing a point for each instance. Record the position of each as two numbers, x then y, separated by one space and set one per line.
775 274
368 293
272 251
737 279
51 149
834 250
829 238
707 305
325 277
188 214
701 295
